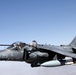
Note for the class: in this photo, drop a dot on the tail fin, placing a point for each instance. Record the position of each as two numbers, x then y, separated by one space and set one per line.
73 43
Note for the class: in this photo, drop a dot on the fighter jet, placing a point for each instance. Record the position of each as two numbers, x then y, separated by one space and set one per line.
40 54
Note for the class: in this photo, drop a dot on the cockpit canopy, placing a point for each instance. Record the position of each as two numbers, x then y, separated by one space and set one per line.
16 45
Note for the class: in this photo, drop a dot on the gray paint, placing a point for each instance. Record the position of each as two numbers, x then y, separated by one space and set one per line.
37 54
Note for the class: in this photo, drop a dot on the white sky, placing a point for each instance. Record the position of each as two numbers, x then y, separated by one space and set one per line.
21 68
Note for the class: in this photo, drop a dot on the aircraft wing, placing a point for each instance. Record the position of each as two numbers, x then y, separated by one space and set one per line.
57 50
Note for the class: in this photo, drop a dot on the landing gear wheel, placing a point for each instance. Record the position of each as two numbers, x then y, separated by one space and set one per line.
35 64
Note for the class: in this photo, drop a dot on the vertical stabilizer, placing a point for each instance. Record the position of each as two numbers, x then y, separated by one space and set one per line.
73 43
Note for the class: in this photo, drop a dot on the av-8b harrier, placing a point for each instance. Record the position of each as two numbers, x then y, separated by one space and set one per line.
40 54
